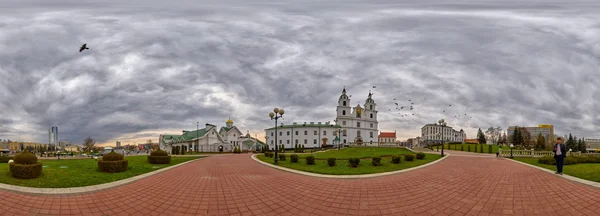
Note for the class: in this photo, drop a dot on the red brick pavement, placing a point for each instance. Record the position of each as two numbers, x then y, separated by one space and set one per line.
236 185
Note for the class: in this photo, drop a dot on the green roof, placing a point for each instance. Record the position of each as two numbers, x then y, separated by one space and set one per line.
226 128
188 135
306 125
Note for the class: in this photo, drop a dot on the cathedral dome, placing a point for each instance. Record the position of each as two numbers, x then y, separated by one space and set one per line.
229 121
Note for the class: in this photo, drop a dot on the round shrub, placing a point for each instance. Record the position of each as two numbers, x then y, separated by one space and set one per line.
25 158
409 157
25 171
294 158
310 160
420 156
112 156
282 157
331 162
159 153
376 161
354 162
396 159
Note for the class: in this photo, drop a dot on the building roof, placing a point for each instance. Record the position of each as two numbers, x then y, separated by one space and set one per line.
387 135
306 125
187 135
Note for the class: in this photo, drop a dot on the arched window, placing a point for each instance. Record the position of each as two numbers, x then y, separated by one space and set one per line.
344 111
371 107
344 103
371 115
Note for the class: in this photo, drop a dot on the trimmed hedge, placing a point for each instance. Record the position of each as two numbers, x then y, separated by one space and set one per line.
420 156
570 160
159 159
354 162
396 159
310 160
112 156
25 158
5 159
331 162
269 154
25 171
113 166
159 153
376 161
409 157
294 158
282 157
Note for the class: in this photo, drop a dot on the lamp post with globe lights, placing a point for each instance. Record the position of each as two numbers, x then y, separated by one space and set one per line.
442 123
276 114
511 148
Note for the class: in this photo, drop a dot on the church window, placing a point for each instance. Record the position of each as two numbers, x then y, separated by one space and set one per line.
288 142
288 133
344 111
371 107
305 141
305 133
272 134
344 140
358 133
324 133
345 133
371 125
280 141
357 124
371 115
343 122
296 141
316 133
371 134
344 103
296 133
271 142
315 141
280 133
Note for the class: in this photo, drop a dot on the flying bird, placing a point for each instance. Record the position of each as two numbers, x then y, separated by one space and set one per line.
444 110
396 104
449 104
373 86
83 47
394 98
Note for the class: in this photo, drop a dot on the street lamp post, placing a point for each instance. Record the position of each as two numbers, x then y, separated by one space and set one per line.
442 123
276 114
511 148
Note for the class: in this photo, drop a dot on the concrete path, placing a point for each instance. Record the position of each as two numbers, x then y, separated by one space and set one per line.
237 185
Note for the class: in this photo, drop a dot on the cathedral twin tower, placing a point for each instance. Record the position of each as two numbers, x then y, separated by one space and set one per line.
359 123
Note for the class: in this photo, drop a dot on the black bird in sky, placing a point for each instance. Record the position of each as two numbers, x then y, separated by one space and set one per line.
83 47
396 104
402 107
373 86
449 104
444 110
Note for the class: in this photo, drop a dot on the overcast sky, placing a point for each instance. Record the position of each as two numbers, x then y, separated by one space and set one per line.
161 66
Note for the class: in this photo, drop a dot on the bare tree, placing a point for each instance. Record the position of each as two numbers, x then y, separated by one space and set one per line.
493 134
89 144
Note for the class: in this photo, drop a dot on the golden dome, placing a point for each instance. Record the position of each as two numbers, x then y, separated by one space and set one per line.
229 121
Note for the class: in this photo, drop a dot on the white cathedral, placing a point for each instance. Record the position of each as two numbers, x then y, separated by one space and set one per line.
359 123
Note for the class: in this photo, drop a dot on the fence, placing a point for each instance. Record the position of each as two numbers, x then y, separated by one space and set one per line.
537 154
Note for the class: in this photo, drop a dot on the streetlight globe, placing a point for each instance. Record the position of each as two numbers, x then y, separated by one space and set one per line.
271 115
276 110
512 146
281 112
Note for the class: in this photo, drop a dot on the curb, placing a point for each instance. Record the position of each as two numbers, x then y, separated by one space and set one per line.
85 189
568 177
348 176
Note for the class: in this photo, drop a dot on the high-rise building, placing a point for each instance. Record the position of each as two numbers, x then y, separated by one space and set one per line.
53 138
546 130
118 144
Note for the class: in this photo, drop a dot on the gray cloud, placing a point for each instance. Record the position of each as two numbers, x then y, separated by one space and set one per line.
157 67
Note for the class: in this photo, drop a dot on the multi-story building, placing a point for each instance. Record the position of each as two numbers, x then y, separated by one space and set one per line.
592 144
53 138
310 135
118 144
360 124
387 138
546 130
434 133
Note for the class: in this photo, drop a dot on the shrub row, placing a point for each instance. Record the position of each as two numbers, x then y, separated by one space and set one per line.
269 154
354 162
5 159
159 159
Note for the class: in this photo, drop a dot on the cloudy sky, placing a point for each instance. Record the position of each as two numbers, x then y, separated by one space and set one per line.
161 66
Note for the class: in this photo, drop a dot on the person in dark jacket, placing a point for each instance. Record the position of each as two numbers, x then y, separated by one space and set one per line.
560 152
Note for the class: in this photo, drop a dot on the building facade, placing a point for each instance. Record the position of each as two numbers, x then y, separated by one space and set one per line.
387 137
359 123
118 144
209 139
592 144
546 130
53 138
433 133
309 134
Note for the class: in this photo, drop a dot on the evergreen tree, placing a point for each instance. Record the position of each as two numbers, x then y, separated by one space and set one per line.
583 146
570 142
481 137
517 137
540 144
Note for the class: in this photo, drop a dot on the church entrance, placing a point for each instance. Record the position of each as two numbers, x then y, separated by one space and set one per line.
324 142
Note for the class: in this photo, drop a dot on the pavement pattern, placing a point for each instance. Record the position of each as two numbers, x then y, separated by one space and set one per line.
237 185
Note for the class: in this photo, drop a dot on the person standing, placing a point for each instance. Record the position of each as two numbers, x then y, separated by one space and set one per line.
560 152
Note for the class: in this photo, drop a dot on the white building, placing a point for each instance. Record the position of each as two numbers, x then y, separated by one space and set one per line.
359 124
433 132
310 135
209 139
592 144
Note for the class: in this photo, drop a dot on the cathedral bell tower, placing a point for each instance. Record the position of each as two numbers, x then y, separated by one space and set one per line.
370 108
343 108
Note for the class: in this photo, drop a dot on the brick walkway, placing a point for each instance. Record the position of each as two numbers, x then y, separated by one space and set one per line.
236 185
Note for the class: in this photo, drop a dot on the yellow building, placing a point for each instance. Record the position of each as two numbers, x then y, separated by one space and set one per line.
16 146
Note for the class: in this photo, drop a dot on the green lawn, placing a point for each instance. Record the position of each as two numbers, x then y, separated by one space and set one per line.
84 172
465 147
342 166
362 152
587 171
